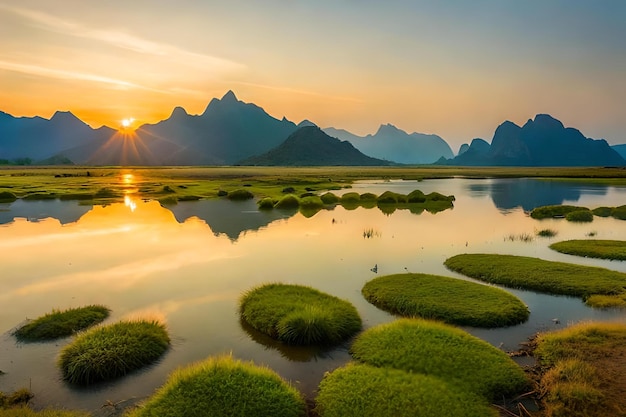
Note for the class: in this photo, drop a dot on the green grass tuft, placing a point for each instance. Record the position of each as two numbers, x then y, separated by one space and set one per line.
603 249
547 233
15 399
223 387
59 323
602 211
416 196
7 197
451 300
329 198
546 212
357 390
539 275
579 216
619 212
289 201
240 194
439 350
299 315
109 352
266 203
28 412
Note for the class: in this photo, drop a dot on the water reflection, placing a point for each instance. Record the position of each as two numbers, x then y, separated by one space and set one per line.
33 211
530 193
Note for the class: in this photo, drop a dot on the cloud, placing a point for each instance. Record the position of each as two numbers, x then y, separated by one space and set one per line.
125 40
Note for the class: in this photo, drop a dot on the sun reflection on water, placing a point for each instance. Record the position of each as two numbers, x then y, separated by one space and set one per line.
130 203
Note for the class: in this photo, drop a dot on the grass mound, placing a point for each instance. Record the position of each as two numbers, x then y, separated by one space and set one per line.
389 197
539 275
240 194
289 201
221 387
585 367
7 197
603 249
357 390
108 352
59 323
448 299
329 198
299 315
266 203
547 212
436 349
580 216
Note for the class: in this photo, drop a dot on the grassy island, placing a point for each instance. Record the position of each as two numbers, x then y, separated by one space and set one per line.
59 323
223 387
299 315
603 249
451 300
440 350
583 370
357 390
544 276
109 352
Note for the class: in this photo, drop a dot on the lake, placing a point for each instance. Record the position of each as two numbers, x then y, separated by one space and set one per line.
188 264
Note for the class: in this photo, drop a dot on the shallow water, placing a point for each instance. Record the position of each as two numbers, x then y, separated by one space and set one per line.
188 264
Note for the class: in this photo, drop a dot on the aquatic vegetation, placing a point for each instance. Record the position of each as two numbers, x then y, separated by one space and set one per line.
619 212
350 198
592 248
602 211
451 300
111 351
223 386
580 216
358 390
539 275
266 203
240 194
416 196
289 201
61 323
547 233
522 237
7 197
329 198
585 369
547 212
370 233
17 398
299 315
389 197
431 348
311 202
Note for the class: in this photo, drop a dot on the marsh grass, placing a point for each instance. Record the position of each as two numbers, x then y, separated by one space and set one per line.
7 197
358 390
329 198
521 237
299 315
17 398
266 203
108 352
289 201
223 387
240 194
584 367
431 348
61 323
547 212
539 275
447 299
370 233
592 248
579 216
547 233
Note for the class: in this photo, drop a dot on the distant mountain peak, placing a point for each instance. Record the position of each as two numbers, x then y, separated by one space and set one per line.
387 129
306 122
66 117
548 122
229 96
178 112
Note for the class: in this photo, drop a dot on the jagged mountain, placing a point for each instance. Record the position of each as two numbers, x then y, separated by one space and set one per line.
543 141
227 131
396 145
38 138
310 146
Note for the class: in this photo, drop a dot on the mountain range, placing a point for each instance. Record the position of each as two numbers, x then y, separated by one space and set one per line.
231 132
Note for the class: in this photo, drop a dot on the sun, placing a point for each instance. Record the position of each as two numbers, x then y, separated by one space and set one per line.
127 122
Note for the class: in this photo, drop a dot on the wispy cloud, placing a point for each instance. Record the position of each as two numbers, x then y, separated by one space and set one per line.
124 40
62 74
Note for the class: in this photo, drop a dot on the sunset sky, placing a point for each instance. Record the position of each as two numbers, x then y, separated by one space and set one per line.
454 68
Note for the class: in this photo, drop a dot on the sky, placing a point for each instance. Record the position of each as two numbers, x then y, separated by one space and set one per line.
453 68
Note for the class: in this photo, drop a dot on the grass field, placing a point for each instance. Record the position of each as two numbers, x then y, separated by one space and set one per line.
592 248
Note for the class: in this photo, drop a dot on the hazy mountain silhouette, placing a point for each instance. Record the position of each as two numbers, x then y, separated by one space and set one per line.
33 211
396 145
38 138
310 146
473 154
620 149
543 141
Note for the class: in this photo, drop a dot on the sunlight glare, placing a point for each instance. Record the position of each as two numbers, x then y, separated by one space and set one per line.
128 202
127 122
